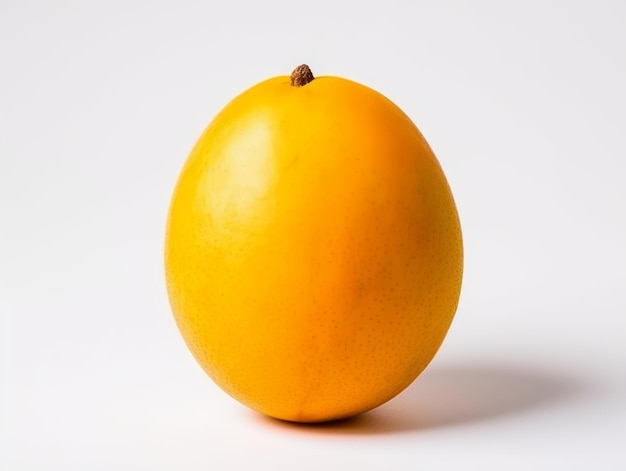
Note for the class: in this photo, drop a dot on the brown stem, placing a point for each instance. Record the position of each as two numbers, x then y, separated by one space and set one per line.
301 75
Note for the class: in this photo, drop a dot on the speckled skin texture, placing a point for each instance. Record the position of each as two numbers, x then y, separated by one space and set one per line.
313 250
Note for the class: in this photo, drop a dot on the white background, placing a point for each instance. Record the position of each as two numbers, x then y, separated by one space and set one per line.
523 102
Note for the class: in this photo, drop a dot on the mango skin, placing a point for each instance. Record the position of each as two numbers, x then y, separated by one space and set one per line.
313 250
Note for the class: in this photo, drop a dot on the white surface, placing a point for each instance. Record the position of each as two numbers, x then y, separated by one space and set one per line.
523 102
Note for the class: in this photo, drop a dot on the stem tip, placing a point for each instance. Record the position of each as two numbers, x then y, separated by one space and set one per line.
301 75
